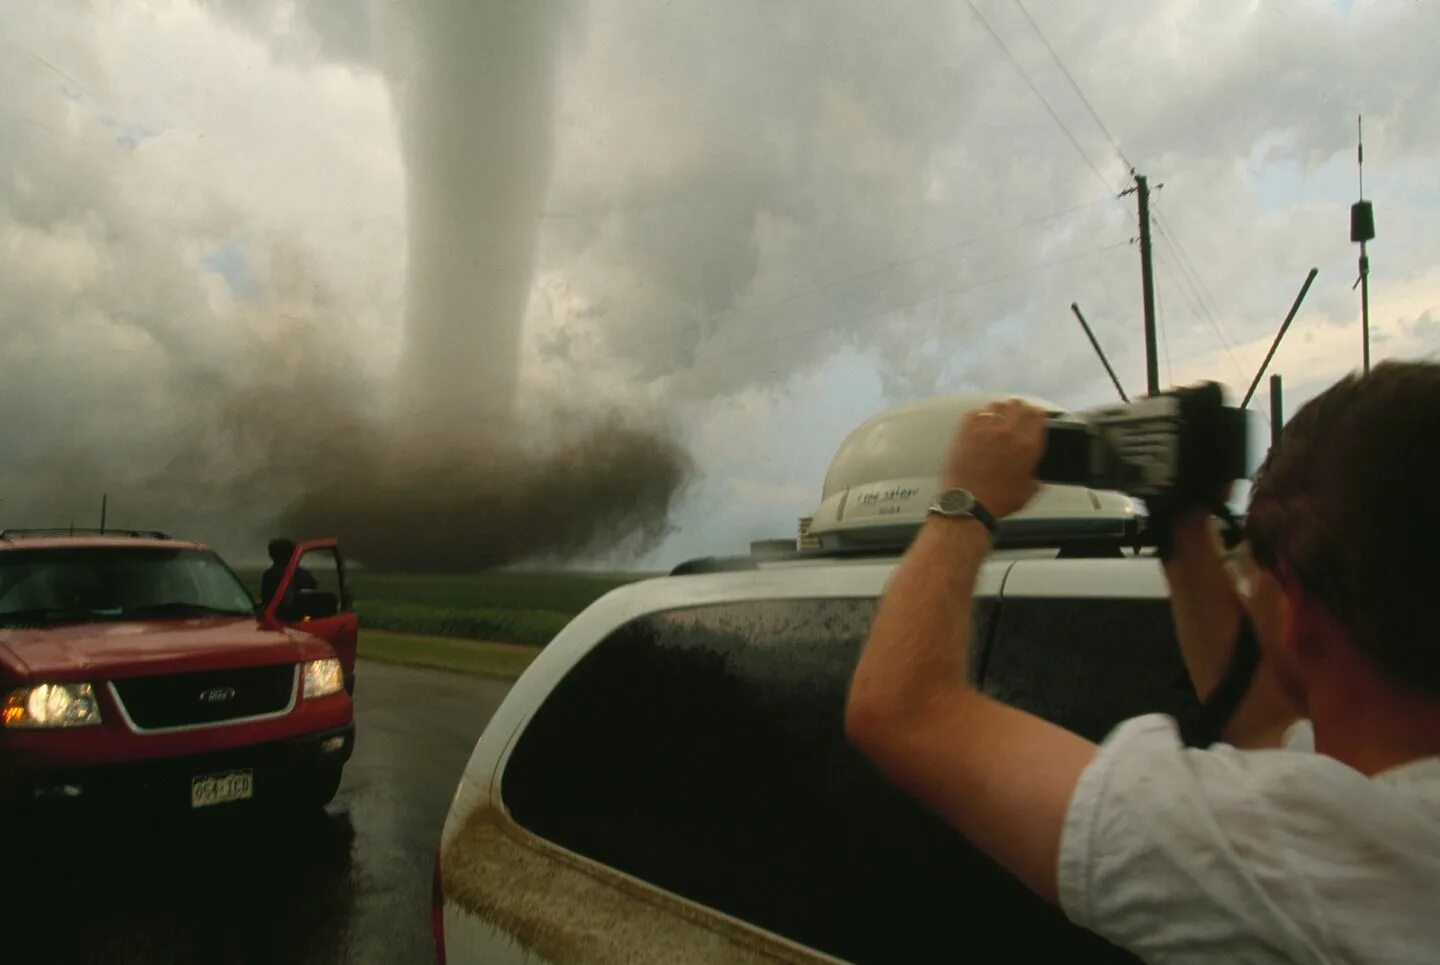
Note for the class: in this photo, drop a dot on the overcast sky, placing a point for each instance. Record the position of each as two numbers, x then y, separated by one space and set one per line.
764 221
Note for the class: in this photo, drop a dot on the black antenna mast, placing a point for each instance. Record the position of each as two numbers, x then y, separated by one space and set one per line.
1362 229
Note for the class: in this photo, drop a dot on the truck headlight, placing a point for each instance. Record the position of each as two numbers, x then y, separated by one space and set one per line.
50 705
323 677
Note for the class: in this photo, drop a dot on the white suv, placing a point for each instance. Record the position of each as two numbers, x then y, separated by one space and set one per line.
670 780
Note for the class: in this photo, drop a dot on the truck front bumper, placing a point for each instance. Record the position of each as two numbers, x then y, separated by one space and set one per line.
161 782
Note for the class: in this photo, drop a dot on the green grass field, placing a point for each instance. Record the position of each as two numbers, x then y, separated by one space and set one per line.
504 660
552 591
503 605
489 623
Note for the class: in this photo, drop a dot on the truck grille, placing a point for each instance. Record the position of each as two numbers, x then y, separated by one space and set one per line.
208 697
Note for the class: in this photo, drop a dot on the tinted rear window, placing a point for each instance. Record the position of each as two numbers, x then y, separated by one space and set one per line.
702 750
1088 663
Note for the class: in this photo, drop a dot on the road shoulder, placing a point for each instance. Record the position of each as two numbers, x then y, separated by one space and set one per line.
503 661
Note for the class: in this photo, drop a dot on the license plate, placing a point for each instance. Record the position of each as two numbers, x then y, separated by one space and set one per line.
208 789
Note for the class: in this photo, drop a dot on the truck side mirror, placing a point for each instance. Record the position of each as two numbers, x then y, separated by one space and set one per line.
310 605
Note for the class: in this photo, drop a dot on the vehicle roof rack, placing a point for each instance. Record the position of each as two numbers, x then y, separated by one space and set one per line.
1074 538
84 531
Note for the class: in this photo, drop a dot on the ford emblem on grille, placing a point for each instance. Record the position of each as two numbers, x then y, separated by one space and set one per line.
217 695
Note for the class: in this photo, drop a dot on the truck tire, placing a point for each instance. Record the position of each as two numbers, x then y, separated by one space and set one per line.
317 789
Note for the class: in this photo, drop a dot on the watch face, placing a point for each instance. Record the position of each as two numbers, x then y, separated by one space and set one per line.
954 502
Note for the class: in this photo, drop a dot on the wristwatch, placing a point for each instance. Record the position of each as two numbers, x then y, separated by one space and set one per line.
959 503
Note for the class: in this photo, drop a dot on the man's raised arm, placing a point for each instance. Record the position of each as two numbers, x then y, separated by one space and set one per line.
1001 776
1207 611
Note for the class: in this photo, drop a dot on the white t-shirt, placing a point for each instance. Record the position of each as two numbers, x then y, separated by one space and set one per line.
1186 855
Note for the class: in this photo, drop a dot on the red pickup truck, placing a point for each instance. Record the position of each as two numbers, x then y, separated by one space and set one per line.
135 666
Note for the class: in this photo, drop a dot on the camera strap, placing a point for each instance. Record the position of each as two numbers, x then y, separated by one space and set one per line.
1216 711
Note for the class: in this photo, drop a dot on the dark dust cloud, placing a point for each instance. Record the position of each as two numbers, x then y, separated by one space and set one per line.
236 463
401 495
605 489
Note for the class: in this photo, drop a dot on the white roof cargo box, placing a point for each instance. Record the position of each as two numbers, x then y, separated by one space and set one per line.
887 472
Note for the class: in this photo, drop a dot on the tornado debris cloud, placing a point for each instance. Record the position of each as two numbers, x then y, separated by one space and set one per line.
605 487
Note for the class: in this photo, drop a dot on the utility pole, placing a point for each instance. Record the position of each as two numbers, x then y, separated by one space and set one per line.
1147 283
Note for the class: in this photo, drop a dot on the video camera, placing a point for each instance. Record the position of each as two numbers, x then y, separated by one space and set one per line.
1180 447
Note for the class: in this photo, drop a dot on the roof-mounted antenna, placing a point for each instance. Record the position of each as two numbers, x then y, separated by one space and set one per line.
1362 229
1277 409
1294 307
1099 351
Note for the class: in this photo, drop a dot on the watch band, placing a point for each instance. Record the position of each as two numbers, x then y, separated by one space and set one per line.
962 504
987 518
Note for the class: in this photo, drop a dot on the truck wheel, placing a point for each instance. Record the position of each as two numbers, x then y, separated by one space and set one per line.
317 789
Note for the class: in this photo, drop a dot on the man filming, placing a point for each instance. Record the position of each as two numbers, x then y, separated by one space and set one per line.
1249 849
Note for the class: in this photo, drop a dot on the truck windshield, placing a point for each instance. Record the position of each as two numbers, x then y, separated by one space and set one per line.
54 586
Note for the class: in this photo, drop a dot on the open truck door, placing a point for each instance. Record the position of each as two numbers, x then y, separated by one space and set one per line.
313 596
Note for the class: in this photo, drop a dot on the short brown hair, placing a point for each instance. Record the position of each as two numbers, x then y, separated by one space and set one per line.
1347 501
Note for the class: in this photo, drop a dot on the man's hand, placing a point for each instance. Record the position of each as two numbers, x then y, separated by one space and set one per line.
995 453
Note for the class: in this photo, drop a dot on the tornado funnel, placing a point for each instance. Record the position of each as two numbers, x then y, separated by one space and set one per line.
474 85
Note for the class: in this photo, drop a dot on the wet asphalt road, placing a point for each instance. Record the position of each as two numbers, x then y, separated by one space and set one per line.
249 886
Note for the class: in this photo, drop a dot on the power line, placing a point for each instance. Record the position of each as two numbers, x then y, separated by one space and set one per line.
1202 291
1188 276
1074 85
1185 292
936 296
1028 80
1187 269
1198 287
1187 264
1164 335
1188 273
885 268
1205 312
1197 309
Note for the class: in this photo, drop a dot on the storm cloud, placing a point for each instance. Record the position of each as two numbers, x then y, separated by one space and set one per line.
744 225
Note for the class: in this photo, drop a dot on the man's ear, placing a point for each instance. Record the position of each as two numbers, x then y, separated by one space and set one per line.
1310 628
1295 612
